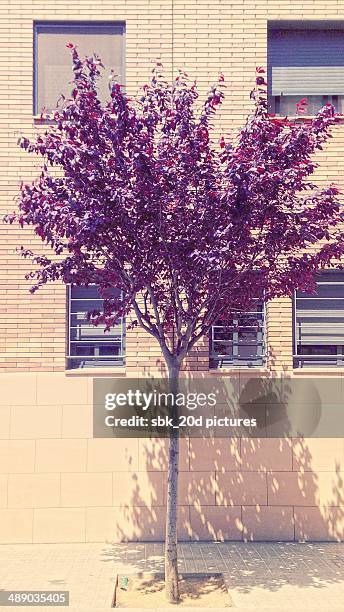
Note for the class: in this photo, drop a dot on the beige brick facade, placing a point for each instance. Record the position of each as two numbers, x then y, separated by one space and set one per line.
56 482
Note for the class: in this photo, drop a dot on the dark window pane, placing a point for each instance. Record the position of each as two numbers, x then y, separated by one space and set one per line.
94 350
92 292
289 105
84 305
318 350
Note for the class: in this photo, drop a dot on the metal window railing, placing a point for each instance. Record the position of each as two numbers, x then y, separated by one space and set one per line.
241 342
90 346
319 323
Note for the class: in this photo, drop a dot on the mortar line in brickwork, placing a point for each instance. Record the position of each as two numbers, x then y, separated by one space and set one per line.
172 42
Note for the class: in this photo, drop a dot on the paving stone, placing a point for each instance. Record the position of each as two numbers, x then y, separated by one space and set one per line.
262 576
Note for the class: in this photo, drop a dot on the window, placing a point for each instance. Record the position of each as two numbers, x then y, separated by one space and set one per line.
241 342
305 62
90 346
319 323
52 60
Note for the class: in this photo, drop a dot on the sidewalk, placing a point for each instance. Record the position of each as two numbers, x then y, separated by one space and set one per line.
263 576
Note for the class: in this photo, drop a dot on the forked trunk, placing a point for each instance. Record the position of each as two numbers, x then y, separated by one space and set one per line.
171 558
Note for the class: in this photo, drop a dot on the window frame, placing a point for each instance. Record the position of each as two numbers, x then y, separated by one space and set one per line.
306 25
60 23
325 360
274 103
216 360
69 357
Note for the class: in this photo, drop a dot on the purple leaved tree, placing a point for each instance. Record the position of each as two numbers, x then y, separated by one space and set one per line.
191 231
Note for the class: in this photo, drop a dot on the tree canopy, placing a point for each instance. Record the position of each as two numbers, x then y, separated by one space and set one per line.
138 194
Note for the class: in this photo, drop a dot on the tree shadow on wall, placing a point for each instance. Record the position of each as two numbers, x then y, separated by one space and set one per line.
272 487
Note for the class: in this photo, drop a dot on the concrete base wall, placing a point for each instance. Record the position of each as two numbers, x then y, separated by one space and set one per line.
57 484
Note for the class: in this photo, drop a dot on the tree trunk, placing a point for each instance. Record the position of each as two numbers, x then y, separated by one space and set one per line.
171 559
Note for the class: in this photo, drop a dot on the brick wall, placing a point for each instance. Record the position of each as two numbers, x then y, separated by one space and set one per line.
56 482
204 38
33 328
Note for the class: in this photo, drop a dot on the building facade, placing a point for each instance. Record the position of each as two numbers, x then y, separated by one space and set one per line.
57 482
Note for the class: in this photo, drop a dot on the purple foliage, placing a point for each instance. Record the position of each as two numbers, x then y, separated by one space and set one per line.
190 230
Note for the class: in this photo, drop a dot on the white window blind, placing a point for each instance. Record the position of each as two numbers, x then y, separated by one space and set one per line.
305 63
319 323
53 64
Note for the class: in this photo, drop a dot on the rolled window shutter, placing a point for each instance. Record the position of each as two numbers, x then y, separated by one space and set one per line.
310 81
320 316
54 72
306 62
